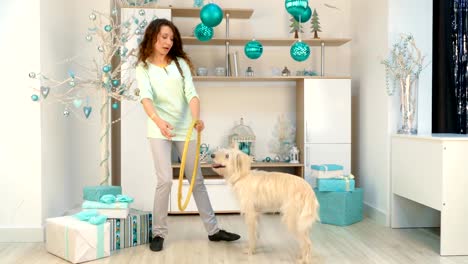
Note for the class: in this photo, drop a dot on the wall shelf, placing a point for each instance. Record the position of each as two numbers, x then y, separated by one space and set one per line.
329 42
208 173
262 78
195 12
241 13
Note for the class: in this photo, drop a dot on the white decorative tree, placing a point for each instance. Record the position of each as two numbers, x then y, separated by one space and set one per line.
102 79
284 137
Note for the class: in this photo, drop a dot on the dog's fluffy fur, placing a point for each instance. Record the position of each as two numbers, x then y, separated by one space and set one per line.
261 191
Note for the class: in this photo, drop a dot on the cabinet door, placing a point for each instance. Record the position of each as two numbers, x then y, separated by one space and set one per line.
327 154
221 197
327 110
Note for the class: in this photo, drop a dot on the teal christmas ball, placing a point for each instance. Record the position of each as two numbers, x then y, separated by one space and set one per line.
115 83
108 28
300 51
305 16
203 32
211 15
35 97
106 68
296 7
253 49
115 106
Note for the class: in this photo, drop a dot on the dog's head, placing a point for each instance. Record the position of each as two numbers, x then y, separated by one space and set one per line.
232 164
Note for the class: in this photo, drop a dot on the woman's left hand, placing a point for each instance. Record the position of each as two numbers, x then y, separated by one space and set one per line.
199 126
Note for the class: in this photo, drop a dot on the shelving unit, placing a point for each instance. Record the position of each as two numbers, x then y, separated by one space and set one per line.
322 119
331 42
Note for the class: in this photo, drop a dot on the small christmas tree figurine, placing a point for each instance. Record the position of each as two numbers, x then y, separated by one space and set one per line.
315 24
295 27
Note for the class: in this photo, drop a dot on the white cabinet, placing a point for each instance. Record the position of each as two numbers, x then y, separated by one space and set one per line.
327 110
429 175
324 122
221 197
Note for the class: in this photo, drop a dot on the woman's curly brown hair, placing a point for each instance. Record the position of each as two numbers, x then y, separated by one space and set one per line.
150 37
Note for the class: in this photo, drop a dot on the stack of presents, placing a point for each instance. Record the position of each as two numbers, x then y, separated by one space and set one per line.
105 223
340 201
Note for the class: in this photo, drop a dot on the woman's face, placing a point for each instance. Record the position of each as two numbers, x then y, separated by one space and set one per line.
164 41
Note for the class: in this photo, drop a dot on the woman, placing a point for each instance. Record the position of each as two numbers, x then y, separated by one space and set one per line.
171 102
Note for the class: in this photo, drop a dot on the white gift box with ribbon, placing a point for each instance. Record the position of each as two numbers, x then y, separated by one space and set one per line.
325 171
77 241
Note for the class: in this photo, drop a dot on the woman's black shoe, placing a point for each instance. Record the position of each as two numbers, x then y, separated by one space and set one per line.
223 235
157 243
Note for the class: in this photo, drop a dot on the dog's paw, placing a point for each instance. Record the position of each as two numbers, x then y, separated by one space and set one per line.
249 251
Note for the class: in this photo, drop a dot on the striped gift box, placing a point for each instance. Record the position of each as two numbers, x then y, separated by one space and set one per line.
132 231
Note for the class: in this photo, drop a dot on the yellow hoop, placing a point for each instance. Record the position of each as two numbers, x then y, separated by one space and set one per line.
182 168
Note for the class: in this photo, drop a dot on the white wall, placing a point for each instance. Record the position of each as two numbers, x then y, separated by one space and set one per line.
45 155
376 25
56 141
20 136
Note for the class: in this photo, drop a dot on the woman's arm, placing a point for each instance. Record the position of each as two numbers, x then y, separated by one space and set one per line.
194 105
163 126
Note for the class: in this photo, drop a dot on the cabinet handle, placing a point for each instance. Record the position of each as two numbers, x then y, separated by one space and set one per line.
307 157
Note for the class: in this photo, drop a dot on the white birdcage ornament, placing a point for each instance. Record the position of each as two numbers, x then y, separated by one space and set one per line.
244 138
294 155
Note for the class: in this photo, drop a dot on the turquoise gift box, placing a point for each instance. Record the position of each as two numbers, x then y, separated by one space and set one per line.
335 185
94 193
340 208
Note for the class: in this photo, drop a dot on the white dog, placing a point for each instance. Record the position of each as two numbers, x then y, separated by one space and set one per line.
261 191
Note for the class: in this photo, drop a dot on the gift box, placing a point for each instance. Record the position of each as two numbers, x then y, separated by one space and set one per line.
112 213
94 193
340 208
77 241
327 171
336 185
135 230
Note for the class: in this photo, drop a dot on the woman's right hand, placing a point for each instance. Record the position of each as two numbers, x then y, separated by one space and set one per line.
165 128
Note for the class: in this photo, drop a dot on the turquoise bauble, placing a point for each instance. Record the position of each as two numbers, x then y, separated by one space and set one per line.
35 97
108 28
253 49
202 32
296 7
115 83
211 15
305 16
300 51
115 106
106 68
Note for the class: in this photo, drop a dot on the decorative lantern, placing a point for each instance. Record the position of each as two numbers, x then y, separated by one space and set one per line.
294 155
202 32
296 7
305 16
211 15
244 138
300 51
253 49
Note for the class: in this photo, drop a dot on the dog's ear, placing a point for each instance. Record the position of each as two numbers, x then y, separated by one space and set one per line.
243 163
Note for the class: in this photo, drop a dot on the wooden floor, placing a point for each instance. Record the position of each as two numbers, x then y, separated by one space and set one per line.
364 242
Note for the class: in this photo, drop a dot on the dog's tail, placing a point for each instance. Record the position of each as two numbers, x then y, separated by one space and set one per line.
310 211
